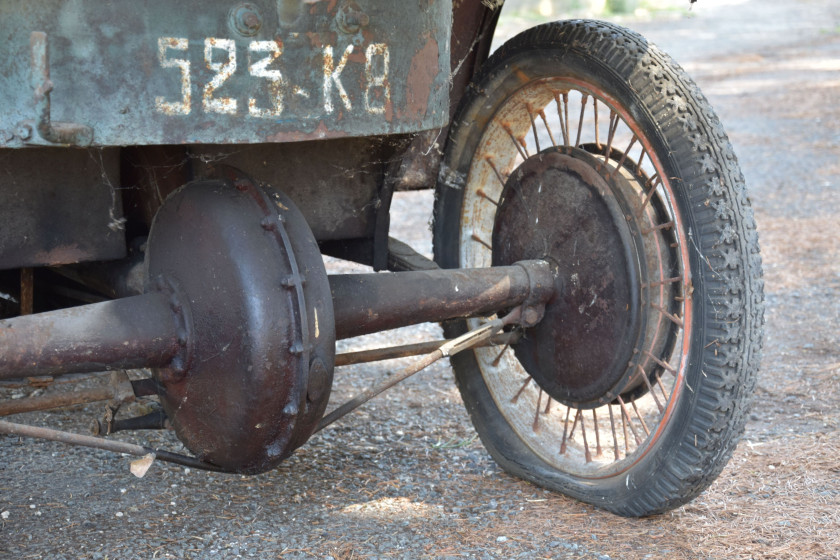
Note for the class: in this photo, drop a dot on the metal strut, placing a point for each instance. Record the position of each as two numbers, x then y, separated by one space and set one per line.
468 340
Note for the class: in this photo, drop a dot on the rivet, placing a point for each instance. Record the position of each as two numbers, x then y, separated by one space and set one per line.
24 132
245 19
268 224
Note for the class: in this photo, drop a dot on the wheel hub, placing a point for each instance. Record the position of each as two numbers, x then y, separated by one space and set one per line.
569 207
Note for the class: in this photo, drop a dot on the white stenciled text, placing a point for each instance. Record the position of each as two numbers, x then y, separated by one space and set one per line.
263 60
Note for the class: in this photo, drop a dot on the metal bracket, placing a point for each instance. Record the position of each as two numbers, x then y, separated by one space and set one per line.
70 134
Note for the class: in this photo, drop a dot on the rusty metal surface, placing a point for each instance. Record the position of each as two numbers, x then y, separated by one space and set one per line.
335 184
475 337
70 438
261 324
60 400
367 303
126 333
408 350
579 353
221 72
59 206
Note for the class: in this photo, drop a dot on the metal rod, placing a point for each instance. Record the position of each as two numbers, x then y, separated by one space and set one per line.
452 347
152 330
368 303
135 332
55 401
105 444
409 350
27 290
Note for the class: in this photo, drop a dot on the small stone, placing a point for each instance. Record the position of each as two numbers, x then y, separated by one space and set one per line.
501 539
5 515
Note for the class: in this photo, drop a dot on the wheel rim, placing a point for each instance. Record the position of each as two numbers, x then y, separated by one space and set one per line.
606 435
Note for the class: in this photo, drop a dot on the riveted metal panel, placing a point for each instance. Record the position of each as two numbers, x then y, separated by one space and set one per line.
197 71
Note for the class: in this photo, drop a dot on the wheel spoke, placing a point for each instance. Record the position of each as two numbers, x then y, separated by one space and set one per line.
478 239
676 320
563 114
565 430
650 389
536 425
611 129
626 414
616 451
587 453
548 128
597 132
624 156
651 185
521 389
583 100
521 146
499 176
498 358
483 194
534 128
641 418
574 424
673 280
661 386
664 365
666 225
598 450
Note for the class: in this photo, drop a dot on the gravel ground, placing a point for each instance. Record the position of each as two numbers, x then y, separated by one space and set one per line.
405 477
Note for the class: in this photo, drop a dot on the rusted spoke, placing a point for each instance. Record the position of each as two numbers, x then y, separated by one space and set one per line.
548 128
475 237
499 357
566 115
665 365
547 404
624 156
641 159
499 176
626 415
676 320
536 424
661 387
583 101
641 418
587 453
521 389
520 147
534 128
666 225
598 450
626 435
597 133
663 282
565 430
574 424
616 451
652 184
650 389
563 114
483 194
611 130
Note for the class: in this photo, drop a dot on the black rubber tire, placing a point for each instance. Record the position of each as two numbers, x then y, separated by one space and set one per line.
686 135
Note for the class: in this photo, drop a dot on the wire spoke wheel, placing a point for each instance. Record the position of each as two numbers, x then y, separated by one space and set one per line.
583 145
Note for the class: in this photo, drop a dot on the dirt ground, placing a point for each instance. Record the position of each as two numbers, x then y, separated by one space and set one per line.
406 476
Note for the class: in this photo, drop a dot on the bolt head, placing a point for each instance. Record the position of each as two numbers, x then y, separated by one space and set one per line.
245 19
24 132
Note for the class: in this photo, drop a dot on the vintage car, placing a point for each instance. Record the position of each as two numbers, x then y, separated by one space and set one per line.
173 173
